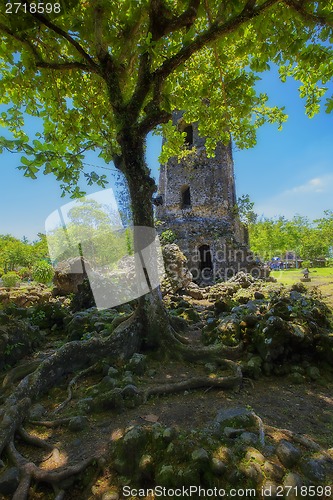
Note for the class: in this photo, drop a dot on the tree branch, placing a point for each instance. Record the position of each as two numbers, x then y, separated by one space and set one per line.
65 66
22 40
298 6
40 63
142 87
49 24
107 63
155 116
159 25
162 24
250 4
215 32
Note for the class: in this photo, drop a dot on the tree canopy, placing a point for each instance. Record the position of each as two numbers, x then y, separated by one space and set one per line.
309 240
102 70
15 253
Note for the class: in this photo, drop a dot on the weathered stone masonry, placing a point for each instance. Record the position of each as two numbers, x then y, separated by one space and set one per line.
197 199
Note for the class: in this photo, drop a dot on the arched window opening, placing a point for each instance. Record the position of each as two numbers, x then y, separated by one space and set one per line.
206 262
186 197
188 130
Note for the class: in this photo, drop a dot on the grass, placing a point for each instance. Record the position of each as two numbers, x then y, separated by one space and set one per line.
321 277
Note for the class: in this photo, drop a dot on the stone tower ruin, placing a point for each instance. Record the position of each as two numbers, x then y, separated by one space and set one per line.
197 202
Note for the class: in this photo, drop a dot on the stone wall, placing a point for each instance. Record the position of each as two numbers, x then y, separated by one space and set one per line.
204 220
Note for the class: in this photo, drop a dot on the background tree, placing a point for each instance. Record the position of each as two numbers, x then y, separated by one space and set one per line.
95 229
245 210
14 253
325 225
309 240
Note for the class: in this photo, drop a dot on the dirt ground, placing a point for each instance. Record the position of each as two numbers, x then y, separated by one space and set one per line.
305 409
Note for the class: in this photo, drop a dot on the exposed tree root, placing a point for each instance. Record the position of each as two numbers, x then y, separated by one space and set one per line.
180 338
302 440
22 490
29 470
51 424
80 358
20 371
59 494
34 440
174 346
199 382
70 385
123 343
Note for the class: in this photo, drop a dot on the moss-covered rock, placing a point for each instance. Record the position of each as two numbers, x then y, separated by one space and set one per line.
17 339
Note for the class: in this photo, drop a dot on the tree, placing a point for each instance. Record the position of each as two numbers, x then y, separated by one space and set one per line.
14 253
95 224
325 226
308 240
101 78
245 210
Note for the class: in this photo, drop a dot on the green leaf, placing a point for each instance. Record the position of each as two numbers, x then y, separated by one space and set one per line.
25 160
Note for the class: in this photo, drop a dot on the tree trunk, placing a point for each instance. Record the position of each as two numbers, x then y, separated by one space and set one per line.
141 186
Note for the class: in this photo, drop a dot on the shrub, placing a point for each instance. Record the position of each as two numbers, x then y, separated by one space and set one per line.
48 315
1 271
167 236
24 272
42 272
306 263
10 279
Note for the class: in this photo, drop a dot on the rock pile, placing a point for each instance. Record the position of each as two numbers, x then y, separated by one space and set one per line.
69 274
25 296
17 337
177 274
233 451
278 326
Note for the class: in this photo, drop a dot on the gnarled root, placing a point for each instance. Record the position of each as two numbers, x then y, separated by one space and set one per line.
123 343
175 346
71 384
227 382
51 424
30 471
34 440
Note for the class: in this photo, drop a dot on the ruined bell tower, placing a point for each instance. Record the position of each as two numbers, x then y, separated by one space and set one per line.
197 202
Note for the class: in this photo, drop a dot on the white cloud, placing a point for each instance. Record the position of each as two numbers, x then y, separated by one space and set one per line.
310 199
315 185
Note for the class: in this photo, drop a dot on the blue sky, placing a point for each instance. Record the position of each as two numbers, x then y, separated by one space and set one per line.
286 173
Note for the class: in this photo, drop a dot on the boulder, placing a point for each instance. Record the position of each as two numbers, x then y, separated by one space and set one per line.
78 423
218 467
194 291
318 469
178 275
244 279
69 274
200 455
234 417
137 363
288 454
